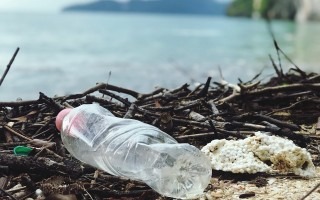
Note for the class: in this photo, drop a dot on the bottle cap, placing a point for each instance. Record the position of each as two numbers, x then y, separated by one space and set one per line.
60 117
22 150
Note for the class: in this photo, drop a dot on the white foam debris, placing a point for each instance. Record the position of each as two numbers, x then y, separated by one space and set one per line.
259 153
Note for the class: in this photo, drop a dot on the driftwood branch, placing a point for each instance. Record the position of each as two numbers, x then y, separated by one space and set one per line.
45 165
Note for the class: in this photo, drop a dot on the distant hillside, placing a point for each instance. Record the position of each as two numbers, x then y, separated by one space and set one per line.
199 7
298 10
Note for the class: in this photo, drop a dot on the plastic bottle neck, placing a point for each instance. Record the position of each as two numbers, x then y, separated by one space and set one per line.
60 117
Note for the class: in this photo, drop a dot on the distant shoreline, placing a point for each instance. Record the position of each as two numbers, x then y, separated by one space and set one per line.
194 7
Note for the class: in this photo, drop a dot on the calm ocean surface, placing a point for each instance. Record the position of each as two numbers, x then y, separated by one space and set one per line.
70 52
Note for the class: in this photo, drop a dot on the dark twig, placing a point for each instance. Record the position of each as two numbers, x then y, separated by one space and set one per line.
286 88
11 130
277 49
293 105
308 194
302 73
126 102
83 94
164 94
104 86
49 101
39 164
123 90
269 119
18 103
101 101
6 193
279 72
205 89
158 109
9 65
256 76
189 105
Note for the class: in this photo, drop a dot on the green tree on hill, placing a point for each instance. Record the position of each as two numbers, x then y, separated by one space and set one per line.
281 9
241 8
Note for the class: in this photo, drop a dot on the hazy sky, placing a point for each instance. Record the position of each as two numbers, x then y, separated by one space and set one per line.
36 5
40 5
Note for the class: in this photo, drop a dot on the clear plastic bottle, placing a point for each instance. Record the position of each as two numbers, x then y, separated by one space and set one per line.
135 150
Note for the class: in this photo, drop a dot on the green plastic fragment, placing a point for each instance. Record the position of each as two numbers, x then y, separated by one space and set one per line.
22 150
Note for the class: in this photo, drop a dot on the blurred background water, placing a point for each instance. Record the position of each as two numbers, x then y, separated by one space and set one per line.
63 53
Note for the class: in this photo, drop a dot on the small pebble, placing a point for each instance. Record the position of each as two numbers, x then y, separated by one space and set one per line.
39 192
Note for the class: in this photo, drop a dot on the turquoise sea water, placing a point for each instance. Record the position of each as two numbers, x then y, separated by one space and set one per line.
70 52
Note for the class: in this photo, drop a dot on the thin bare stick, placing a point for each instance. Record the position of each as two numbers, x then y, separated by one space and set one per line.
104 86
279 123
302 73
16 133
279 73
6 193
281 88
9 65
18 103
199 135
289 107
313 189
16 189
276 46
